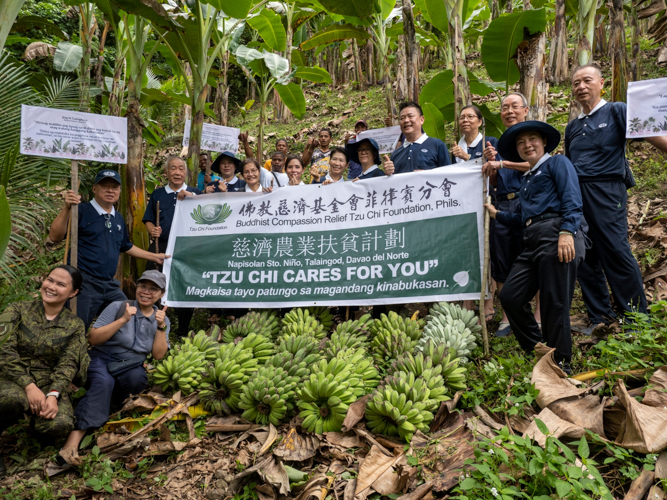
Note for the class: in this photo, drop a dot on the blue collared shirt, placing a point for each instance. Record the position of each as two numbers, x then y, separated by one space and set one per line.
167 198
595 143
233 186
551 186
508 180
425 153
102 237
373 171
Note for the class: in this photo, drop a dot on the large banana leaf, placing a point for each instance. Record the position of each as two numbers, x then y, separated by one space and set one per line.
238 9
436 11
493 122
151 10
292 95
270 28
434 121
313 74
335 33
439 91
9 9
67 57
357 8
32 22
501 40
278 65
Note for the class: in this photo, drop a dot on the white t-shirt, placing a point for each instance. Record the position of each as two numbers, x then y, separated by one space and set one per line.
279 179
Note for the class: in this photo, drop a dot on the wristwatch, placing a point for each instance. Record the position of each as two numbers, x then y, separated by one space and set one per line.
162 329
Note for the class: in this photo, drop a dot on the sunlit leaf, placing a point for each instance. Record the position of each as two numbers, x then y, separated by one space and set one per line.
67 57
292 95
313 74
335 33
270 28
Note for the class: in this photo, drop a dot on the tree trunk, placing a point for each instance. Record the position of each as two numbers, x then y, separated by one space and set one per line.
370 65
619 64
196 127
401 70
495 9
133 193
116 89
532 62
286 113
509 8
583 52
389 92
411 51
558 55
635 73
221 103
600 37
461 87
357 64
99 77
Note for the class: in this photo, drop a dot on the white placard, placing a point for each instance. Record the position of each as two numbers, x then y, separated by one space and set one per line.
215 138
59 133
647 108
385 137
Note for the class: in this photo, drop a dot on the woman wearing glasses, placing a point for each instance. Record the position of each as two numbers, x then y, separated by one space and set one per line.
122 337
366 153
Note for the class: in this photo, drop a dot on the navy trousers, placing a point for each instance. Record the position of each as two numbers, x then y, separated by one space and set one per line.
95 295
538 268
506 242
93 410
610 259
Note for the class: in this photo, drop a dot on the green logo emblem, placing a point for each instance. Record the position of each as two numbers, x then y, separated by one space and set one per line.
211 214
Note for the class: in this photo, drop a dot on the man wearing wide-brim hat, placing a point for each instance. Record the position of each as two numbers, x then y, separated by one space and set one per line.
551 212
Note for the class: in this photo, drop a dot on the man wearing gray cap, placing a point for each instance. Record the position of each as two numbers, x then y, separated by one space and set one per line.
102 236
122 337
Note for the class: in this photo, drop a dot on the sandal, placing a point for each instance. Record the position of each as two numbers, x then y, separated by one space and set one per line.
504 329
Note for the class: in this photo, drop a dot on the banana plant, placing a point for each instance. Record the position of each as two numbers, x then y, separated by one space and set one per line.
268 71
381 41
9 9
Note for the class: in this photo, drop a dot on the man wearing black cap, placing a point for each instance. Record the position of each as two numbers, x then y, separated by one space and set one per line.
551 211
354 168
102 236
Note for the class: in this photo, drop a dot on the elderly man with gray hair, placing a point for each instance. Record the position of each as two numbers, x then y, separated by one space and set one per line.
166 196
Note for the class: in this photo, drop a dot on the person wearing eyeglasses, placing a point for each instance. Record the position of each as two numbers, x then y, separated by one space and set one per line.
418 151
122 337
102 237
366 153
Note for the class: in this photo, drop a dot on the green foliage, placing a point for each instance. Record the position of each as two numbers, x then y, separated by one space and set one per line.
99 473
335 33
269 26
292 95
530 471
434 122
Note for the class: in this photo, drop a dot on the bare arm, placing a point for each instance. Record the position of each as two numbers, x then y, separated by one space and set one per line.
139 253
243 137
659 142
308 152
160 346
58 229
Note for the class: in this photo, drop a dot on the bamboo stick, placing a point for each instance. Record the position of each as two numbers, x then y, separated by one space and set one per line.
485 267
157 224
74 225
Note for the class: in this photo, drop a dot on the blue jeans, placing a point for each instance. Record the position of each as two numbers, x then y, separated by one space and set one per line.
93 410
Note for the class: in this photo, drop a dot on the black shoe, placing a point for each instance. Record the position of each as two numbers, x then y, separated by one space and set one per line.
565 366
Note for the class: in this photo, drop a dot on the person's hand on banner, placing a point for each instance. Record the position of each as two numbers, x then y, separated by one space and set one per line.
159 317
389 167
182 194
160 257
268 189
348 136
71 198
490 166
566 250
155 232
490 152
491 209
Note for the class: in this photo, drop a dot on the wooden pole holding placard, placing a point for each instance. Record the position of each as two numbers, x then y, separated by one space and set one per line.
74 226
157 224
485 267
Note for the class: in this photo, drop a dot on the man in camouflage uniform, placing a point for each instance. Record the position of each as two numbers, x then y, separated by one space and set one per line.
49 354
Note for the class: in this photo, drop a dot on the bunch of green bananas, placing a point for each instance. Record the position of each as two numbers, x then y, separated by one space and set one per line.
240 329
297 365
268 321
390 344
343 342
450 332
202 343
262 347
296 343
324 399
265 396
393 322
321 314
305 325
428 388
445 359
455 311
394 414
362 368
180 372
355 326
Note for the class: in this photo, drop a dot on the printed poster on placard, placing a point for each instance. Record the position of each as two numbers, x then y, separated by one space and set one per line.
215 137
414 237
647 108
387 138
58 133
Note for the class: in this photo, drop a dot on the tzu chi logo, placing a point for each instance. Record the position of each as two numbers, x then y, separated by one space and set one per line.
211 214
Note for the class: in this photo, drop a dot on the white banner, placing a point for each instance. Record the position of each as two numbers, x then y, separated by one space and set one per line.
215 138
647 108
58 133
385 137
414 237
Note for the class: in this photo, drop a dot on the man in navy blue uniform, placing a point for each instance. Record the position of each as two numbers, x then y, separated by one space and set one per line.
505 177
102 236
595 143
418 151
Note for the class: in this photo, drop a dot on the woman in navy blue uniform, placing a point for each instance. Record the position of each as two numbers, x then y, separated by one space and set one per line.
227 165
551 212
366 153
471 145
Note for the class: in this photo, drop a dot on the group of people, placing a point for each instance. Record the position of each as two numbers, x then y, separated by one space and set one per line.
557 219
